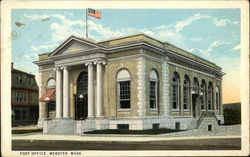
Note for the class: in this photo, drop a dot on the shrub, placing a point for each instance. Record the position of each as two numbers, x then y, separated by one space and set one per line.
232 113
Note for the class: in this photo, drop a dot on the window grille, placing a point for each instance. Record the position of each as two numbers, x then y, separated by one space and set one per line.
125 94
153 96
175 90
186 93
82 83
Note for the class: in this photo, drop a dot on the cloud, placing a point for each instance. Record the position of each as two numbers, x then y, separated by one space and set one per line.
61 30
27 56
237 47
43 47
215 44
220 23
179 26
206 52
223 22
41 17
171 33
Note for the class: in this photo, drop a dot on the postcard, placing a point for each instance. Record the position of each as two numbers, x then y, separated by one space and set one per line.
125 78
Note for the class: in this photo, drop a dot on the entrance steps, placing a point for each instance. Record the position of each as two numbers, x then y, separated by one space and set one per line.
60 127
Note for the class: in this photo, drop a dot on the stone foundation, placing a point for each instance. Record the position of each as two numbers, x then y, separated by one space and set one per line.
60 126
70 126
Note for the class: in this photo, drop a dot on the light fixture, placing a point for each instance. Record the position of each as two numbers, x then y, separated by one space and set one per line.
81 96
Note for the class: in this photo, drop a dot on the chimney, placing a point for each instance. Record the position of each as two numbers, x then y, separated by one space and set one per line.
11 65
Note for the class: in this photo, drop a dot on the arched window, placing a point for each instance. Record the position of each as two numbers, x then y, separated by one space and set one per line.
203 95
210 96
82 83
153 89
51 83
186 93
217 97
123 79
196 86
175 90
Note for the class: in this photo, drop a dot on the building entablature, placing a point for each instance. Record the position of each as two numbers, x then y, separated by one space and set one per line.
75 51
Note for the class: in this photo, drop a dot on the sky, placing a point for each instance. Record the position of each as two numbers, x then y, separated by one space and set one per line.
213 34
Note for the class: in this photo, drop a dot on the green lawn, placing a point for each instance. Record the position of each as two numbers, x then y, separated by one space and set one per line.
147 132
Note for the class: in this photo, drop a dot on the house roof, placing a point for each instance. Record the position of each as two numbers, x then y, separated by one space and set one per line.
22 72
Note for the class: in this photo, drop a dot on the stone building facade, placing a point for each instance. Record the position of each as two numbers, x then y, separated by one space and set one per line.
24 98
133 82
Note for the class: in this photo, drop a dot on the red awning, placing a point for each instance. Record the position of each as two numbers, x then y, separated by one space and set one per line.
49 95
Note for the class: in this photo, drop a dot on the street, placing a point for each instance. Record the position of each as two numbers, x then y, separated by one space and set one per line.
180 144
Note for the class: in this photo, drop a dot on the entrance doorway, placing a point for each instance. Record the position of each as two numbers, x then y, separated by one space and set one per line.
194 104
81 97
81 107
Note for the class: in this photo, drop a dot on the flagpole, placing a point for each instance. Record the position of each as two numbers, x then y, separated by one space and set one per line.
87 23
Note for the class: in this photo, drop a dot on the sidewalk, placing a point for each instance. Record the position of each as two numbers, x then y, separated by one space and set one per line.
95 137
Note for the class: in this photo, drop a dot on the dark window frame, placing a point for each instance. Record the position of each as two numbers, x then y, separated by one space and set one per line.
176 91
124 95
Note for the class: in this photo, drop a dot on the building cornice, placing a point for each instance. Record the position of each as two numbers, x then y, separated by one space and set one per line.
194 62
43 62
133 45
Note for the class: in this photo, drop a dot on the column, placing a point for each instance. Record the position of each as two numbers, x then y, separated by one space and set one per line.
65 92
58 93
99 88
90 90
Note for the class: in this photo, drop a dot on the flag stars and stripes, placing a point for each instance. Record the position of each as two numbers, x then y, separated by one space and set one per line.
94 13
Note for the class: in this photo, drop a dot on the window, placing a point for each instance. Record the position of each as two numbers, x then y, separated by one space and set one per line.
29 81
17 97
175 90
123 82
177 125
24 97
17 115
32 81
125 94
20 80
82 83
24 114
20 114
186 93
51 83
203 95
123 126
156 126
153 90
209 127
217 98
196 86
210 96
51 107
31 97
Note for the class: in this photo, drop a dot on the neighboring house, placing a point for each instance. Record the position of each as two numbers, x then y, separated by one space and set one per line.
133 82
24 99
